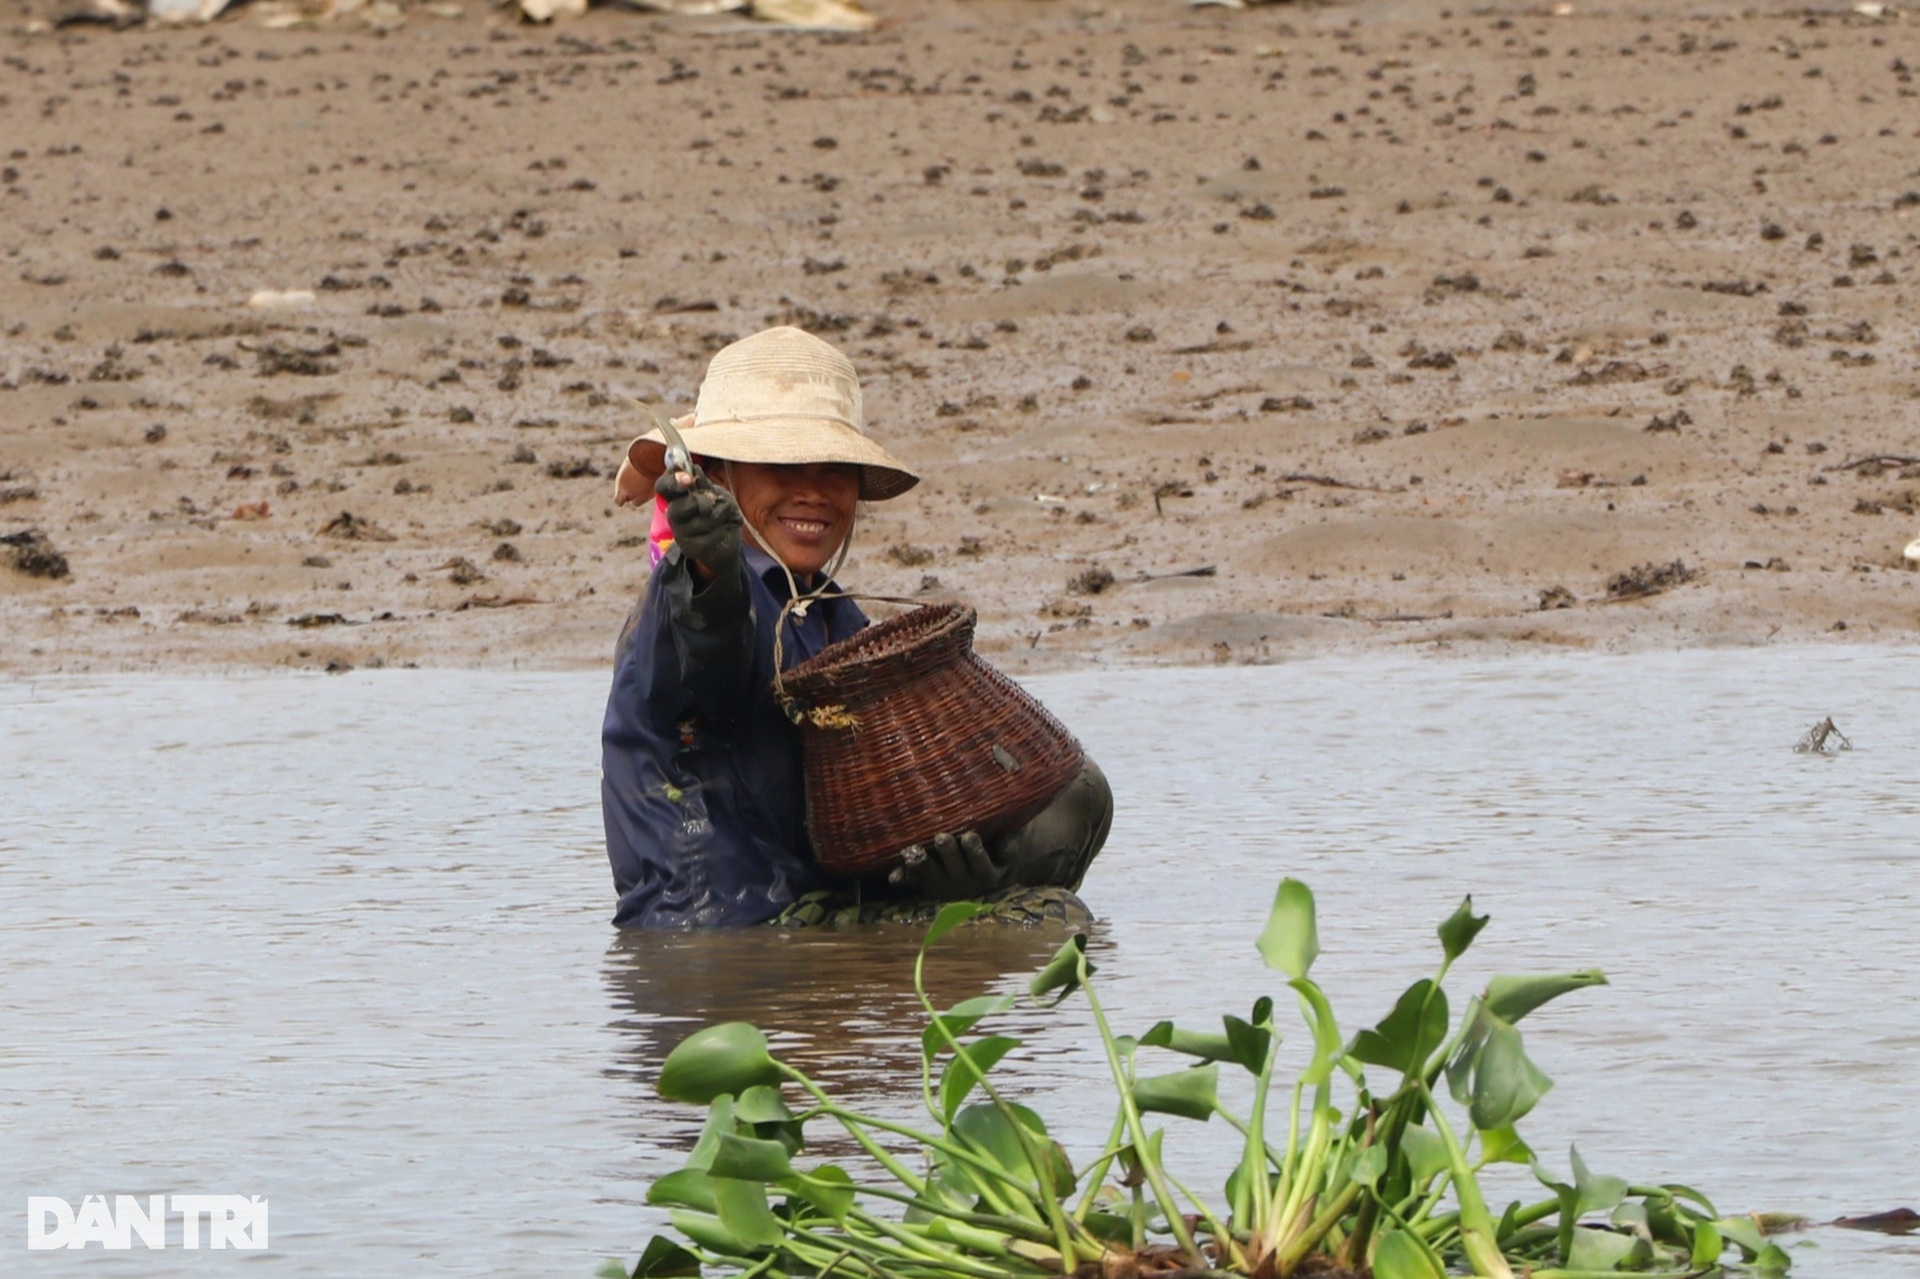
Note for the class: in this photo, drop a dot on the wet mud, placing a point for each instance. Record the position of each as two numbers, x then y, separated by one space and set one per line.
1218 336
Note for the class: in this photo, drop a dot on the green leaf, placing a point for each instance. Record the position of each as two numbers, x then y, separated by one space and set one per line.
1399 1254
763 1113
665 1259
946 1191
959 1019
1474 1023
1633 1217
1569 1205
1693 1196
1667 1220
828 1188
988 1130
729 1058
964 1073
1594 1193
1291 940
1744 1233
744 1213
1404 1037
611 1269
719 1124
750 1159
1511 998
1191 1043
1605 1250
1426 1153
1062 972
1133 1172
1508 1222
1191 1094
684 1188
1707 1246
1249 1042
1506 1085
1459 929
1772 1260
706 1230
1503 1146
951 916
761 1105
1369 1166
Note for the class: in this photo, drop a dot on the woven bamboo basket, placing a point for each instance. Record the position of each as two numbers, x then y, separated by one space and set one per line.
906 734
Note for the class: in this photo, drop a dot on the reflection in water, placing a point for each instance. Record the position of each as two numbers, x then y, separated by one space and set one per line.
839 1005
387 996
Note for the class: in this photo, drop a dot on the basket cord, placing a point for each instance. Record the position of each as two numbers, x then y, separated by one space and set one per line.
797 603
790 704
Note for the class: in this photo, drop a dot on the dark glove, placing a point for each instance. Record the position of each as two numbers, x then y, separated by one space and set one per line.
950 868
705 519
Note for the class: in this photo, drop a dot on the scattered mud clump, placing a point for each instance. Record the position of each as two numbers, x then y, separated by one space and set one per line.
351 528
31 552
907 555
464 571
1649 579
1090 581
274 360
1556 597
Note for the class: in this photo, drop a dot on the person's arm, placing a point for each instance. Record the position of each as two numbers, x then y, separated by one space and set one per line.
704 585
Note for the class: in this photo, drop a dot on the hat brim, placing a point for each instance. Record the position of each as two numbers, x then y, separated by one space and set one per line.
784 442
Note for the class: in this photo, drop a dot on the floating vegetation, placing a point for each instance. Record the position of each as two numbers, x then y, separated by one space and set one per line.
1823 739
1368 1162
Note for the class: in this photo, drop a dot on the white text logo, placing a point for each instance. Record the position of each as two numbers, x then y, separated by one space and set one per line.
231 1221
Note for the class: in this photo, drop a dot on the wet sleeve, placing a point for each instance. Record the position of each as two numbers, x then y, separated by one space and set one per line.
712 629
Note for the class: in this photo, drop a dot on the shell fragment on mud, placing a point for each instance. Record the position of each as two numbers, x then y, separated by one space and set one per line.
281 299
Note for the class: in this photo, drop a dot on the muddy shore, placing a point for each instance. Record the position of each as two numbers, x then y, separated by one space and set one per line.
1404 326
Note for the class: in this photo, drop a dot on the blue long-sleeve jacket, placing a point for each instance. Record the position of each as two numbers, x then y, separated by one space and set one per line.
701 783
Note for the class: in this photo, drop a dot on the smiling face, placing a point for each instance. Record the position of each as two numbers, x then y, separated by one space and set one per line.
803 513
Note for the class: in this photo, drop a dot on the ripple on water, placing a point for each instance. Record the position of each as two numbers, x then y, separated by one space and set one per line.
343 942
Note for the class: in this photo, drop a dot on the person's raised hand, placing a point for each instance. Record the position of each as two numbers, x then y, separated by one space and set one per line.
705 520
950 868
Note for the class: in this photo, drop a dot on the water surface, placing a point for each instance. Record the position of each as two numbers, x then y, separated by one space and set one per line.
342 942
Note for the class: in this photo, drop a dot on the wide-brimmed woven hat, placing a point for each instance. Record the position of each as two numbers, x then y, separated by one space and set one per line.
782 397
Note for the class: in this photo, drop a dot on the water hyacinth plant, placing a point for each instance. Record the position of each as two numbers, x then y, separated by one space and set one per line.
1369 1161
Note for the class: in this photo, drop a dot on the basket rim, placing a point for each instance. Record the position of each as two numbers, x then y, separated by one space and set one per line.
881 657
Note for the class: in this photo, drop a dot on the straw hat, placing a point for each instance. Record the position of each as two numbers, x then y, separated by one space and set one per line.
781 397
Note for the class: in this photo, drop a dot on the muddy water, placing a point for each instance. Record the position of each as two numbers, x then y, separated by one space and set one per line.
341 942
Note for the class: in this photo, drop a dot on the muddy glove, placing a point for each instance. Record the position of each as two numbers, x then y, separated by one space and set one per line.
706 522
950 868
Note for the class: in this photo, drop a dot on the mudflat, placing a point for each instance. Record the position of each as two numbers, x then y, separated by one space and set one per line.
1217 335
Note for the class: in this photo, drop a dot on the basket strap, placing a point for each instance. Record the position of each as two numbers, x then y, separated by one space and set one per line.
788 703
